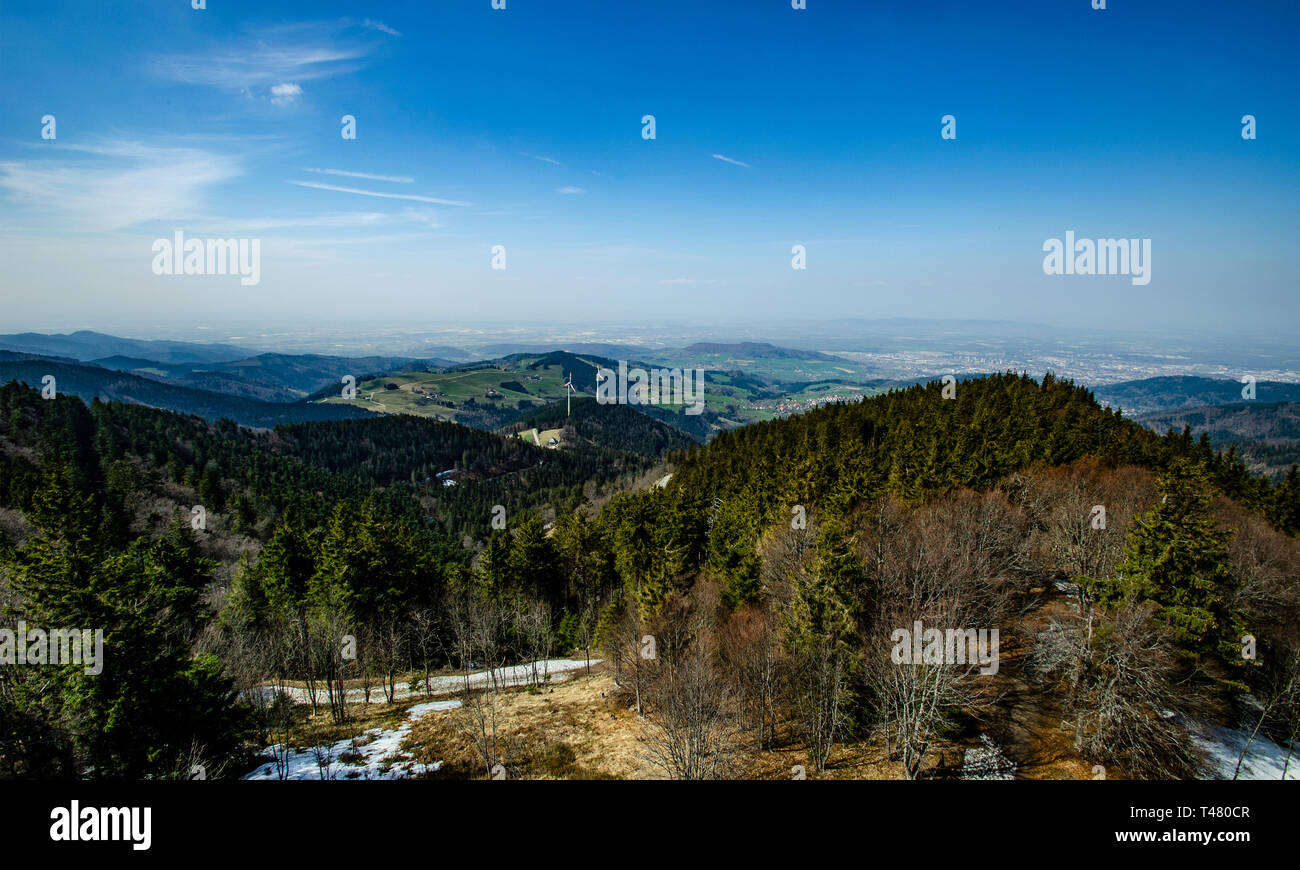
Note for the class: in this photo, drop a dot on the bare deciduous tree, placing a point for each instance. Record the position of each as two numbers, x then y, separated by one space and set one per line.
951 565
478 626
690 730
755 662
1125 688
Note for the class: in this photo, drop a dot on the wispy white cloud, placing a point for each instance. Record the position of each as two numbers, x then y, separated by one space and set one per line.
570 190
260 67
287 53
541 158
128 183
369 176
725 159
283 94
381 27
408 196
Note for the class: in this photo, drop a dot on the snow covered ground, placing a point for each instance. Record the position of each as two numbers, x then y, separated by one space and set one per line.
379 758
987 761
515 675
1264 760
377 754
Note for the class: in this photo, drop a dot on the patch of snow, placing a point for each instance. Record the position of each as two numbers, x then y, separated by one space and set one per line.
1264 760
430 707
380 758
987 761
541 671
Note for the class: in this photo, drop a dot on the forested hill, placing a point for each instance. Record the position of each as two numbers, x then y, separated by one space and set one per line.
1177 392
307 468
94 382
1266 435
111 451
395 448
916 444
617 427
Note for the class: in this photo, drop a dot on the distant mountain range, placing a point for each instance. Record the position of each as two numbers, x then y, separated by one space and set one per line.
91 382
1265 430
1186 391
615 351
1266 434
746 381
219 368
86 345
756 350
288 377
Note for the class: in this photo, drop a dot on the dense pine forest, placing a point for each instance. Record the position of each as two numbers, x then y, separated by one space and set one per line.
618 427
770 571
913 444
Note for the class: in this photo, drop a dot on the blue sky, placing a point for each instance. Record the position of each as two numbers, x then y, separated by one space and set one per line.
478 127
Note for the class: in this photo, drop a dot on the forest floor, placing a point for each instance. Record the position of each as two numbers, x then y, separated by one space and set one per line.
1032 725
581 725
585 727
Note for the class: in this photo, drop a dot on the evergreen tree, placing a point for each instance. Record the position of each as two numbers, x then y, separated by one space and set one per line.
820 627
1175 557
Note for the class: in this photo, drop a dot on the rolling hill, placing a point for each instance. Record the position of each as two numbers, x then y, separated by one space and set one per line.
755 350
745 382
269 376
86 345
1266 435
90 382
618 427
1145 396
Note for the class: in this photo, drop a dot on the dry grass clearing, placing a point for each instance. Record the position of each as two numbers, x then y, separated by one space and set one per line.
583 728
577 729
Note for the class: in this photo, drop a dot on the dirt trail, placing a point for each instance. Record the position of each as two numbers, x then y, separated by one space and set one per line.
1032 726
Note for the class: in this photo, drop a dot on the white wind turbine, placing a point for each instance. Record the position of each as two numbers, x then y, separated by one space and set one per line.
568 397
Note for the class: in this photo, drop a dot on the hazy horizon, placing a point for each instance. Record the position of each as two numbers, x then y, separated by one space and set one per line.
896 348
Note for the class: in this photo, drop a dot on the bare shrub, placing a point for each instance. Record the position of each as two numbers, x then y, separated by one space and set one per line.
1125 689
